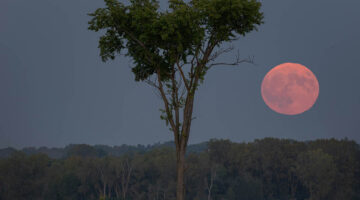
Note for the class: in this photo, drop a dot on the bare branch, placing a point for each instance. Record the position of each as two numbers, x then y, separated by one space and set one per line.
182 75
180 82
183 92
220 52
236 62
192 75
151 83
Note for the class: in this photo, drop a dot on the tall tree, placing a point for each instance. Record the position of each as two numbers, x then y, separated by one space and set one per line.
318 172
172 50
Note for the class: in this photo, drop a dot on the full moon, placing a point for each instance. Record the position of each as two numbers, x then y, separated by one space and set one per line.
290 89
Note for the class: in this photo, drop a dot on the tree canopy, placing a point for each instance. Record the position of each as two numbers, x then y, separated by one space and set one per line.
157 40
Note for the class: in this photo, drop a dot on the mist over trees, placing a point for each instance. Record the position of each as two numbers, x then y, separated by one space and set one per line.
219 169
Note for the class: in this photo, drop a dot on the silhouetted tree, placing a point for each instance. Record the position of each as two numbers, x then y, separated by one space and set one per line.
173 50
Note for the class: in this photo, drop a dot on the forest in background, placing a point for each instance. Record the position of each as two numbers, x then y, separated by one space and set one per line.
269 168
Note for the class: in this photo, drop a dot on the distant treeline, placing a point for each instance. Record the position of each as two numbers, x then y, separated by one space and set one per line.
266 169
96 150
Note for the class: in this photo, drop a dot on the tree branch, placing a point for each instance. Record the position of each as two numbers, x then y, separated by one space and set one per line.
175 99
236 62
189 102
192 75
182 75
221 51
151 83
167 109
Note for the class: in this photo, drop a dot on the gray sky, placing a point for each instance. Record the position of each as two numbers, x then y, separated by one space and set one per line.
54 89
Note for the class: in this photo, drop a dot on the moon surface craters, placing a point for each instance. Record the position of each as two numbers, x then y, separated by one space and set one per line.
290 88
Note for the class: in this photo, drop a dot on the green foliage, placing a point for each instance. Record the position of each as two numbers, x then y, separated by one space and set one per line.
264 169
155 40
317 171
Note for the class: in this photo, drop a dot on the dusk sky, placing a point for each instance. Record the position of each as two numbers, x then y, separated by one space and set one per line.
55 90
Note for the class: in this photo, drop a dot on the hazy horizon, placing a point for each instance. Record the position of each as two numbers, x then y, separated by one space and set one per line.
169 141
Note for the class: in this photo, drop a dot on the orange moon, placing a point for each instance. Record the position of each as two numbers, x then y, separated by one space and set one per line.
290 89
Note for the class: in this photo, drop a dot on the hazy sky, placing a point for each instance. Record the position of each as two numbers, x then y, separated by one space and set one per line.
54 89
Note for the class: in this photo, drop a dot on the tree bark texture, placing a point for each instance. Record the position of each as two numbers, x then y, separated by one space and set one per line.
180 191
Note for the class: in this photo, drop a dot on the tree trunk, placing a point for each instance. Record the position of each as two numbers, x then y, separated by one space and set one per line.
180 191
181 144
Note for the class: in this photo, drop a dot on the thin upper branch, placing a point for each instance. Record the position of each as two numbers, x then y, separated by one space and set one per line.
236 62
220 52
151 83
182 75
193 66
